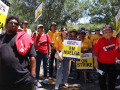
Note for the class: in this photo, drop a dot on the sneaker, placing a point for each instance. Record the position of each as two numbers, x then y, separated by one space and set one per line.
38 84
50 78
56 86
45 81
118 87
66 84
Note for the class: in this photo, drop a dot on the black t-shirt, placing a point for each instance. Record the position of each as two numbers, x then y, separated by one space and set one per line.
14 67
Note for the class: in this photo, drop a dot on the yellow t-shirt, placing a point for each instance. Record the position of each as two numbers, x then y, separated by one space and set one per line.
86 44
51 35
90 35
59 43
95 37
114 34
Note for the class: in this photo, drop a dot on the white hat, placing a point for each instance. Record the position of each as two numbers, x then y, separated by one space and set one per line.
40 25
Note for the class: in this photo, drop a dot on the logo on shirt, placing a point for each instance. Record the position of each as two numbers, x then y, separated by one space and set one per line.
109 47
42 42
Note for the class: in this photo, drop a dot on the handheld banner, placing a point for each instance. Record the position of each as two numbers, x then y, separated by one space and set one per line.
4 7
72 49
117 19
86 62
38 12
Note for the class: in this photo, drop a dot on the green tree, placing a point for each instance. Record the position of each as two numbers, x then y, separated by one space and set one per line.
60 11
103 11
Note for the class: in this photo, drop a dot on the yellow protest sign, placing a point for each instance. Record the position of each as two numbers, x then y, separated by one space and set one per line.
72 48
117 19
38 12
4 7
86 61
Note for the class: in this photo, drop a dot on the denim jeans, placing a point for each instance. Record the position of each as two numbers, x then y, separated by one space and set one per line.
62 71
38 63
51 62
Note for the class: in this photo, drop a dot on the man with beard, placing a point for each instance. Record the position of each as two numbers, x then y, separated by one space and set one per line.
16 72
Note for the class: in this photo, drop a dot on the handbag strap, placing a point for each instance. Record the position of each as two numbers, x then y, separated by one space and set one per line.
47 43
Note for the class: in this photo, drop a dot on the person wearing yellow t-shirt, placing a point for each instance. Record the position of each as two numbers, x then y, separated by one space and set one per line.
114 34
62 64
90 34
96 36
53 50
85 46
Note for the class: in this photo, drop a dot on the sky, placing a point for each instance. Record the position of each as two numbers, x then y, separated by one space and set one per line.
84 20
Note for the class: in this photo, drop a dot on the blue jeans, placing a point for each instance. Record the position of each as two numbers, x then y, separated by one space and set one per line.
62 71
38 63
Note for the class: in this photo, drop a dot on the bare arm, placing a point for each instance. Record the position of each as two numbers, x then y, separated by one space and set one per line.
95 61
33 65
49 53
60 58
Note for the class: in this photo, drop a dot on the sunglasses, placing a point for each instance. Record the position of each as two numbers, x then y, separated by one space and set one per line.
63 30
11 23
82 33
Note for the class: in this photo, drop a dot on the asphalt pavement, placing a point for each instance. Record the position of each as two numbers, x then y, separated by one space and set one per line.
73 83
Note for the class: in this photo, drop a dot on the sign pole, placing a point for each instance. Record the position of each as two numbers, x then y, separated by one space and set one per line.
85 76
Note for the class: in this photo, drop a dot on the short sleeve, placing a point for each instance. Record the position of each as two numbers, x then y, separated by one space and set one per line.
56 43
96 48
48 38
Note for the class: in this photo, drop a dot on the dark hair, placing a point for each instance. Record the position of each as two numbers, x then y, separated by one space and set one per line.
97 29
12 17
82 28
61 34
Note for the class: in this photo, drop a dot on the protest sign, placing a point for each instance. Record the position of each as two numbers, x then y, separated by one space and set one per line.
38 12
86 61
72 49
117 19
4 7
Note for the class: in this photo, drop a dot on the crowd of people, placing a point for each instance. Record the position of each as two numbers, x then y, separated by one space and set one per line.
21 53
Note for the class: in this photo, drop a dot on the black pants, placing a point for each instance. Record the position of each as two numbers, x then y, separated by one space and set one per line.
27 84
51 63
109 70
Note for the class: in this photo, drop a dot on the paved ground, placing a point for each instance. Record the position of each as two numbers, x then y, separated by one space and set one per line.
74 85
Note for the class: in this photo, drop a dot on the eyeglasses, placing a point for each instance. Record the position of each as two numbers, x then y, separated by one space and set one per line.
97 30
63 30
82 33
11 23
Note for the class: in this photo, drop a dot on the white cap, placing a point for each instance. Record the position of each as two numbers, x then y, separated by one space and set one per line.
40 25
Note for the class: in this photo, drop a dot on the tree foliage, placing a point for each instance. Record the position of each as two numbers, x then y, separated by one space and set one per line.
59 11
103 11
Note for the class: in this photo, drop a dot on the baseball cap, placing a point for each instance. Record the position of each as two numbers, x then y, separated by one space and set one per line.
82 31
107 27
74 31
53 23
24 22
40 25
